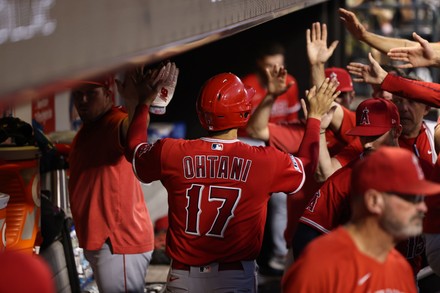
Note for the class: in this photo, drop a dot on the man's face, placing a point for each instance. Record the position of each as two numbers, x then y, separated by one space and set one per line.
270 61
371 143
411 115
345 99
91 101
403 215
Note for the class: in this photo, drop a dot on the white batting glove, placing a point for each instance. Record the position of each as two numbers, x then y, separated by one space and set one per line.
166 80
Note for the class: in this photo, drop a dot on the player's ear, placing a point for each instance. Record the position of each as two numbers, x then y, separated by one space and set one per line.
374 201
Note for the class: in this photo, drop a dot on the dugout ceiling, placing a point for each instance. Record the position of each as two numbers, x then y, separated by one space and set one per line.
46 43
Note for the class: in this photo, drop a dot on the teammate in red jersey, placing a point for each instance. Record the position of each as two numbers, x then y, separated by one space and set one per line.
284 110
111 218
287 105
286 137
378 124
387 206
218 187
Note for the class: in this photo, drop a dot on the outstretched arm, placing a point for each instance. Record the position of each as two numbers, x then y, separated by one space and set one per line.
426 54
424 92
359 32
257 126
143 88
319 104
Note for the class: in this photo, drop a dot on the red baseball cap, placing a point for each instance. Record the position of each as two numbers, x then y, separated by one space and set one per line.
342 76
106 81
374 117
391 169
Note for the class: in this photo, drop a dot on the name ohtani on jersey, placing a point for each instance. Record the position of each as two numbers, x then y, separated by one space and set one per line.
220 167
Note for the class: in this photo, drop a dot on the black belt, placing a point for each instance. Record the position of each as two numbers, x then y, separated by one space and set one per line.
223 266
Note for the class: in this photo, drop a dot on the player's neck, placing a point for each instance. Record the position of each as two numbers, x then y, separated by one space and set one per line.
370 239
226 135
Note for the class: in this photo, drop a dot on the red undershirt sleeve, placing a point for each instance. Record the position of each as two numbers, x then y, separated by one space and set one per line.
309 149
420 91
137 131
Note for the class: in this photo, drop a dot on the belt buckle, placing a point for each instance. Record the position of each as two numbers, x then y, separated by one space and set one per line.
205 269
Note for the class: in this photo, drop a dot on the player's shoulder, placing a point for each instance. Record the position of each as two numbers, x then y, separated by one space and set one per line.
330 246
342 174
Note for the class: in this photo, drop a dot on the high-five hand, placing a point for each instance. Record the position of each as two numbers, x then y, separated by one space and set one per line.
372 74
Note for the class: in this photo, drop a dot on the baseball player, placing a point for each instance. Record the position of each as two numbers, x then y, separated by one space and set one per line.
285 109
387 193
286 106
218 187
378 124
286 136
415 137
111 218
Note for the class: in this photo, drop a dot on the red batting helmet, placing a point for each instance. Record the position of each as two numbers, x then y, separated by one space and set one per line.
224 102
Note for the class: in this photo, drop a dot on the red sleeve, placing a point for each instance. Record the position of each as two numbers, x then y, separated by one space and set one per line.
420 91
137 131
309 149
286 137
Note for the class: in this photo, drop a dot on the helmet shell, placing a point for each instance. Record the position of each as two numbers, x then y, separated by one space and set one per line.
224 102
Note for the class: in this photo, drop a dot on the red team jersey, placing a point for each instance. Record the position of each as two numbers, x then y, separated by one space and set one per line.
218 191
106 199
286 106
333 263
287 137
330 205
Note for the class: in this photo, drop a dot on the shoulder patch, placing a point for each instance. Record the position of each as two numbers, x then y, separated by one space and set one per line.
295 164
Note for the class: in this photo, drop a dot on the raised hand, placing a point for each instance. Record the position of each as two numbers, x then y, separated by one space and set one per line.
320 100
372 74
415 56
164 84
276 80
144 86
352 24
326 119
317 49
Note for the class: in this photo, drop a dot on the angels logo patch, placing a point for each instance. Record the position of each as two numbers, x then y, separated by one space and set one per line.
314 201
334 76
365 118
